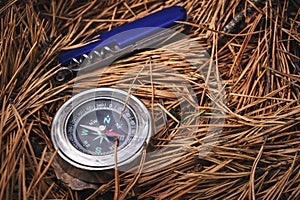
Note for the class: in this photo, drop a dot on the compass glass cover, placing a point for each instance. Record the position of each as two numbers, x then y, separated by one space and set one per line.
93 127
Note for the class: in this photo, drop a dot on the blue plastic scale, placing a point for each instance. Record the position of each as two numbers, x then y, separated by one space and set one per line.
139 34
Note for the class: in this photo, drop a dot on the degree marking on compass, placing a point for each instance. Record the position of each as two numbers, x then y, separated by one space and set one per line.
106 120
121 138
84 132
119 126
98 150
93 122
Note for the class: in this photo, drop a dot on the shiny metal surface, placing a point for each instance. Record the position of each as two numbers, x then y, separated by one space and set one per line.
92 163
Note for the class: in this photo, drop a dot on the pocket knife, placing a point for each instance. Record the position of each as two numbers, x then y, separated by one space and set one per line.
134 36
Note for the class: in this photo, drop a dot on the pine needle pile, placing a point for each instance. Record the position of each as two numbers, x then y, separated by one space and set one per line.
254 44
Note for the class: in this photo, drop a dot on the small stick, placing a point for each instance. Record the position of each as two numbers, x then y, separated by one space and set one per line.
117 185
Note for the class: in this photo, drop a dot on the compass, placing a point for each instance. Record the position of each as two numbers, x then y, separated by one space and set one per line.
85 128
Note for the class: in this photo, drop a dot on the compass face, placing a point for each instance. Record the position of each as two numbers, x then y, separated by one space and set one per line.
93 127
85 129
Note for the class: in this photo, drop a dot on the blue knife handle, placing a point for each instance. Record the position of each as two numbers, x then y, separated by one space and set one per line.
165 18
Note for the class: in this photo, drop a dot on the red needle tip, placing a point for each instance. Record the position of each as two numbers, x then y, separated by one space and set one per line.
111 133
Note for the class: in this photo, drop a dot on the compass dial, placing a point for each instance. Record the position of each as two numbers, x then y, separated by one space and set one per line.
93 126
85 128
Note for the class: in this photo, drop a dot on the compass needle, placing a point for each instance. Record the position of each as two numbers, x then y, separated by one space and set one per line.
92 128
108 132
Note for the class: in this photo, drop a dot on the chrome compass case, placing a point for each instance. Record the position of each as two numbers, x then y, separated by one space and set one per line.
86 127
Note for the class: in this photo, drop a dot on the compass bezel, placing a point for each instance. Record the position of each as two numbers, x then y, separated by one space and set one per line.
101 162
